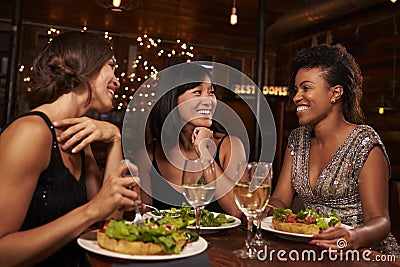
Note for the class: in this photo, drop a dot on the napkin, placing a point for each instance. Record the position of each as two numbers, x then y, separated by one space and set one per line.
200 260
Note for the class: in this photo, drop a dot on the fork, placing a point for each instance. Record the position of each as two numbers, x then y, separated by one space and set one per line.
138 220
158 211
138 216
152 208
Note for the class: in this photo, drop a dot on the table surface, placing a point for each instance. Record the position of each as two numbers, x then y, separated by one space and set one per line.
281 252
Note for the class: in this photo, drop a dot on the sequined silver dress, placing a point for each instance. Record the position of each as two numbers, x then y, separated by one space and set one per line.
337 186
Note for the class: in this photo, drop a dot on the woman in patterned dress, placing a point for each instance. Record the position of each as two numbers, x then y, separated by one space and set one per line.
333 161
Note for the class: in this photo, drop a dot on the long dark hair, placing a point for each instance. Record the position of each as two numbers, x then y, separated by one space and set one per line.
338 68
171 85
68 61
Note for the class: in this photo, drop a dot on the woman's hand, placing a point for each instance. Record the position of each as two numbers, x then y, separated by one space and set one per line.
79 132
203 143
116 194
336 238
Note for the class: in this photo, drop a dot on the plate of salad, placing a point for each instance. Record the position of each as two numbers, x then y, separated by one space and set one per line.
297 226
210 221
142 237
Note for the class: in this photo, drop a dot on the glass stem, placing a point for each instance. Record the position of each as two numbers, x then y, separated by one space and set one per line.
197 213
258 232
249 231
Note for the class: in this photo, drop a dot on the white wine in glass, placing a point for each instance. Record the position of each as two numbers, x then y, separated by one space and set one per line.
252 193
198 182
198 195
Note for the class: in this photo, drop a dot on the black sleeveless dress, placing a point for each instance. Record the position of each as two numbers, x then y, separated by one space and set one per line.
57 192
161 189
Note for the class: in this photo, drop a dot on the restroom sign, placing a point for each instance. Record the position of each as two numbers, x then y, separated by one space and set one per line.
242 89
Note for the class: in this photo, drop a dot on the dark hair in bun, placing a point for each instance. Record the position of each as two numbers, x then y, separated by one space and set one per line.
70 60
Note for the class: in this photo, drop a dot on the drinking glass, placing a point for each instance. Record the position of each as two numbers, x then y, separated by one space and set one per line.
258 240
252 193
198 182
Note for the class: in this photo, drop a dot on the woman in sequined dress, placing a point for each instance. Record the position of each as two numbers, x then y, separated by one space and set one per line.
333 161
51 189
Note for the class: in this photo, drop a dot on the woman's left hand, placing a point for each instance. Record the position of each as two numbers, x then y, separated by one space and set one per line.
202 141
335 238
79 132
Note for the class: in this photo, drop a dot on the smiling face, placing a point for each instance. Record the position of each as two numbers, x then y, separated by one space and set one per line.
104 87
312 98
197 105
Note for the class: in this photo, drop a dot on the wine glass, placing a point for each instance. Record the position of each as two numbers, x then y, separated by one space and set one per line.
258 240
252 193
198 182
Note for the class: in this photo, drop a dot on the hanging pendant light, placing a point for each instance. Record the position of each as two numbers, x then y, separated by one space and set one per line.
384 104
233 19
118 5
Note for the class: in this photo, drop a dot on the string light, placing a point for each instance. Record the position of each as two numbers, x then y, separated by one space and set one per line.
53 31
144 68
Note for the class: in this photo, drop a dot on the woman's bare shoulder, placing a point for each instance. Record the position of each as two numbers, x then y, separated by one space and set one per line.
228 140
30 138
231 144
29 126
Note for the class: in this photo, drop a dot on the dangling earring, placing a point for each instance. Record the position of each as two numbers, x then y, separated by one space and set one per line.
333 101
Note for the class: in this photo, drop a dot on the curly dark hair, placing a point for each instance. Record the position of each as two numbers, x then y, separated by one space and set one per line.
71 59
339 68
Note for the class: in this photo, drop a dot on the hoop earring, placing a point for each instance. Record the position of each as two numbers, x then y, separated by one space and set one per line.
333 101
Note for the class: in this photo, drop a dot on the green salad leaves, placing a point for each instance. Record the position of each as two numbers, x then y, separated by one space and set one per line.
186 214
166 234
307 216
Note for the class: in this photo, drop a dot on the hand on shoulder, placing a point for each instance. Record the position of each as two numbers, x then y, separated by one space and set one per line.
77 133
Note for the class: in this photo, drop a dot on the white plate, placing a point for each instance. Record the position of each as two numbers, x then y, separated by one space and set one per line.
266 224
206 229
88 241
